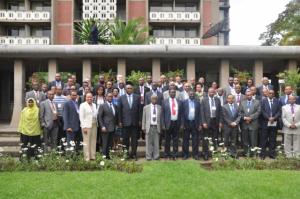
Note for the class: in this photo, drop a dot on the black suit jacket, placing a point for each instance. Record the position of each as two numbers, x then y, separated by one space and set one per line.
53 83
70 116
186 110
227 116
266 111
138 92
106 118
148 95
166 114
205 110
130 116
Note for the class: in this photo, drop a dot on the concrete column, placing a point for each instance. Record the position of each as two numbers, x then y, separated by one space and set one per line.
122 67
52 69
156 69
292 65
27 30
27 5
86 69
224 73
19 85
258 72
190 69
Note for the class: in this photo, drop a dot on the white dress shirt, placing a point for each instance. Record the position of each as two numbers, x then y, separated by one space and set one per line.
173 117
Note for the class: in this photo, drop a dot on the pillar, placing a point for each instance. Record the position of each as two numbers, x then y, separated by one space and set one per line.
19 85
292 64
156 69
224 73
27 5
122 67
190 69
87 69
258 72
52 69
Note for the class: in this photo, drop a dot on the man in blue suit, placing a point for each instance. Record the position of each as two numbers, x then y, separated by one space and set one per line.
192 125
271 111
171 120
71 118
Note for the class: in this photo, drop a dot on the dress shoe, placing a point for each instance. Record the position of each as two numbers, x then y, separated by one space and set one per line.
185 157
205 157
174 158
196 157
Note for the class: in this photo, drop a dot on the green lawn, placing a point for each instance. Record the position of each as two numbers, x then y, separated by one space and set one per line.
180 179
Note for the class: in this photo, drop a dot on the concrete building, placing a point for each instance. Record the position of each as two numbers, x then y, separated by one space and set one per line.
44 22
212 62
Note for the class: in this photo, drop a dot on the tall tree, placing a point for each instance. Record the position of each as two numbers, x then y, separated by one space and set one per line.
286 29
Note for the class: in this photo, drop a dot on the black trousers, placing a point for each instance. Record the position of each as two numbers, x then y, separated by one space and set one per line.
190 130
172 134
30 141
268 139
107 142
230 137
210 132
61 133
130 139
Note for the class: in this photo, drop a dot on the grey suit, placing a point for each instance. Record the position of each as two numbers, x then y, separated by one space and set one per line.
49 124
31 94
152 132
230 133
250 130
108 119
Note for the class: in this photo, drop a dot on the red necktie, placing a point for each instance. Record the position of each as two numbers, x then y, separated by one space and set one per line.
173 107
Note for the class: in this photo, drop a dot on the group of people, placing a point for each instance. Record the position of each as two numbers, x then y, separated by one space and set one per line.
108 113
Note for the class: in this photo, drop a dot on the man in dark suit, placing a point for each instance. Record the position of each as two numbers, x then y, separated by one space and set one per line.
71 119
141 90
211 120
265 85
231 120
35 94
250 110
192 125
285 98
154 91
229 89
57 82
130 119
271 111
171 122
108 119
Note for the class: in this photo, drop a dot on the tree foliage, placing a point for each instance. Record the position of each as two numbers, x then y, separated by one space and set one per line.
286 29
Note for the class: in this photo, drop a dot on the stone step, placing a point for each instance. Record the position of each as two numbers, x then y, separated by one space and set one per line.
12 151
9 141
9 134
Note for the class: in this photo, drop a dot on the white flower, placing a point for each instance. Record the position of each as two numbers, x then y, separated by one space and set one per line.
60 152
39 156
102 163
211 148
205 138
252 149
67 161
63 139
33 146
72 143
25 149
71 148
223 150
20 152
1 149
216 159
122 159
209 139
104 156
65 144
24 155
59 147
112 151
221 144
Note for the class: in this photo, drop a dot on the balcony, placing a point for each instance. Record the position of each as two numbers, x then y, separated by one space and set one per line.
176 41
11 40
175 16
224 4
24 16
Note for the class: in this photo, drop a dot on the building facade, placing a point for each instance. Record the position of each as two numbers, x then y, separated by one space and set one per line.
45 22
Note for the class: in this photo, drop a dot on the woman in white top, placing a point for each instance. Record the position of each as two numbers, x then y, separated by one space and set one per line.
88 122
99 97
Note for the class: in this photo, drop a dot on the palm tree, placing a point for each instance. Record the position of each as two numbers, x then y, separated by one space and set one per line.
83 31
134 32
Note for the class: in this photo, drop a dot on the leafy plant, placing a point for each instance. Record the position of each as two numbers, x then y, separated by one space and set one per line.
178 72
134 32
291 78
242 75
108 76
83 31
135 76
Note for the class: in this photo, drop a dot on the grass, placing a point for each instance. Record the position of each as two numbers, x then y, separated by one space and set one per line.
180 179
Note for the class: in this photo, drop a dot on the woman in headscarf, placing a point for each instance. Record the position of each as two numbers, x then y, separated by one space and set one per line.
29 127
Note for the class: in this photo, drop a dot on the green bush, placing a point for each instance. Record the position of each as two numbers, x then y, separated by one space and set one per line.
135 76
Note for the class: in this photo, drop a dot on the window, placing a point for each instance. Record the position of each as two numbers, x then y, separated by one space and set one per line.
40 6
16 31
12 5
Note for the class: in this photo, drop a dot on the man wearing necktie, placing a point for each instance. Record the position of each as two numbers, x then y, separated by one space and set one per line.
36 94
154 91
151 125
192 125
108 120
49 122
291 127
231 120
130 119
250 111
271 112
171 119
238 97
211 118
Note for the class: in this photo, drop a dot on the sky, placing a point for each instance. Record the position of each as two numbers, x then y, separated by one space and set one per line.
249 18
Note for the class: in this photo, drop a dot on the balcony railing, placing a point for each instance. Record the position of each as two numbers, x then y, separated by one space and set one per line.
9 15
176 41
10 40
175 16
